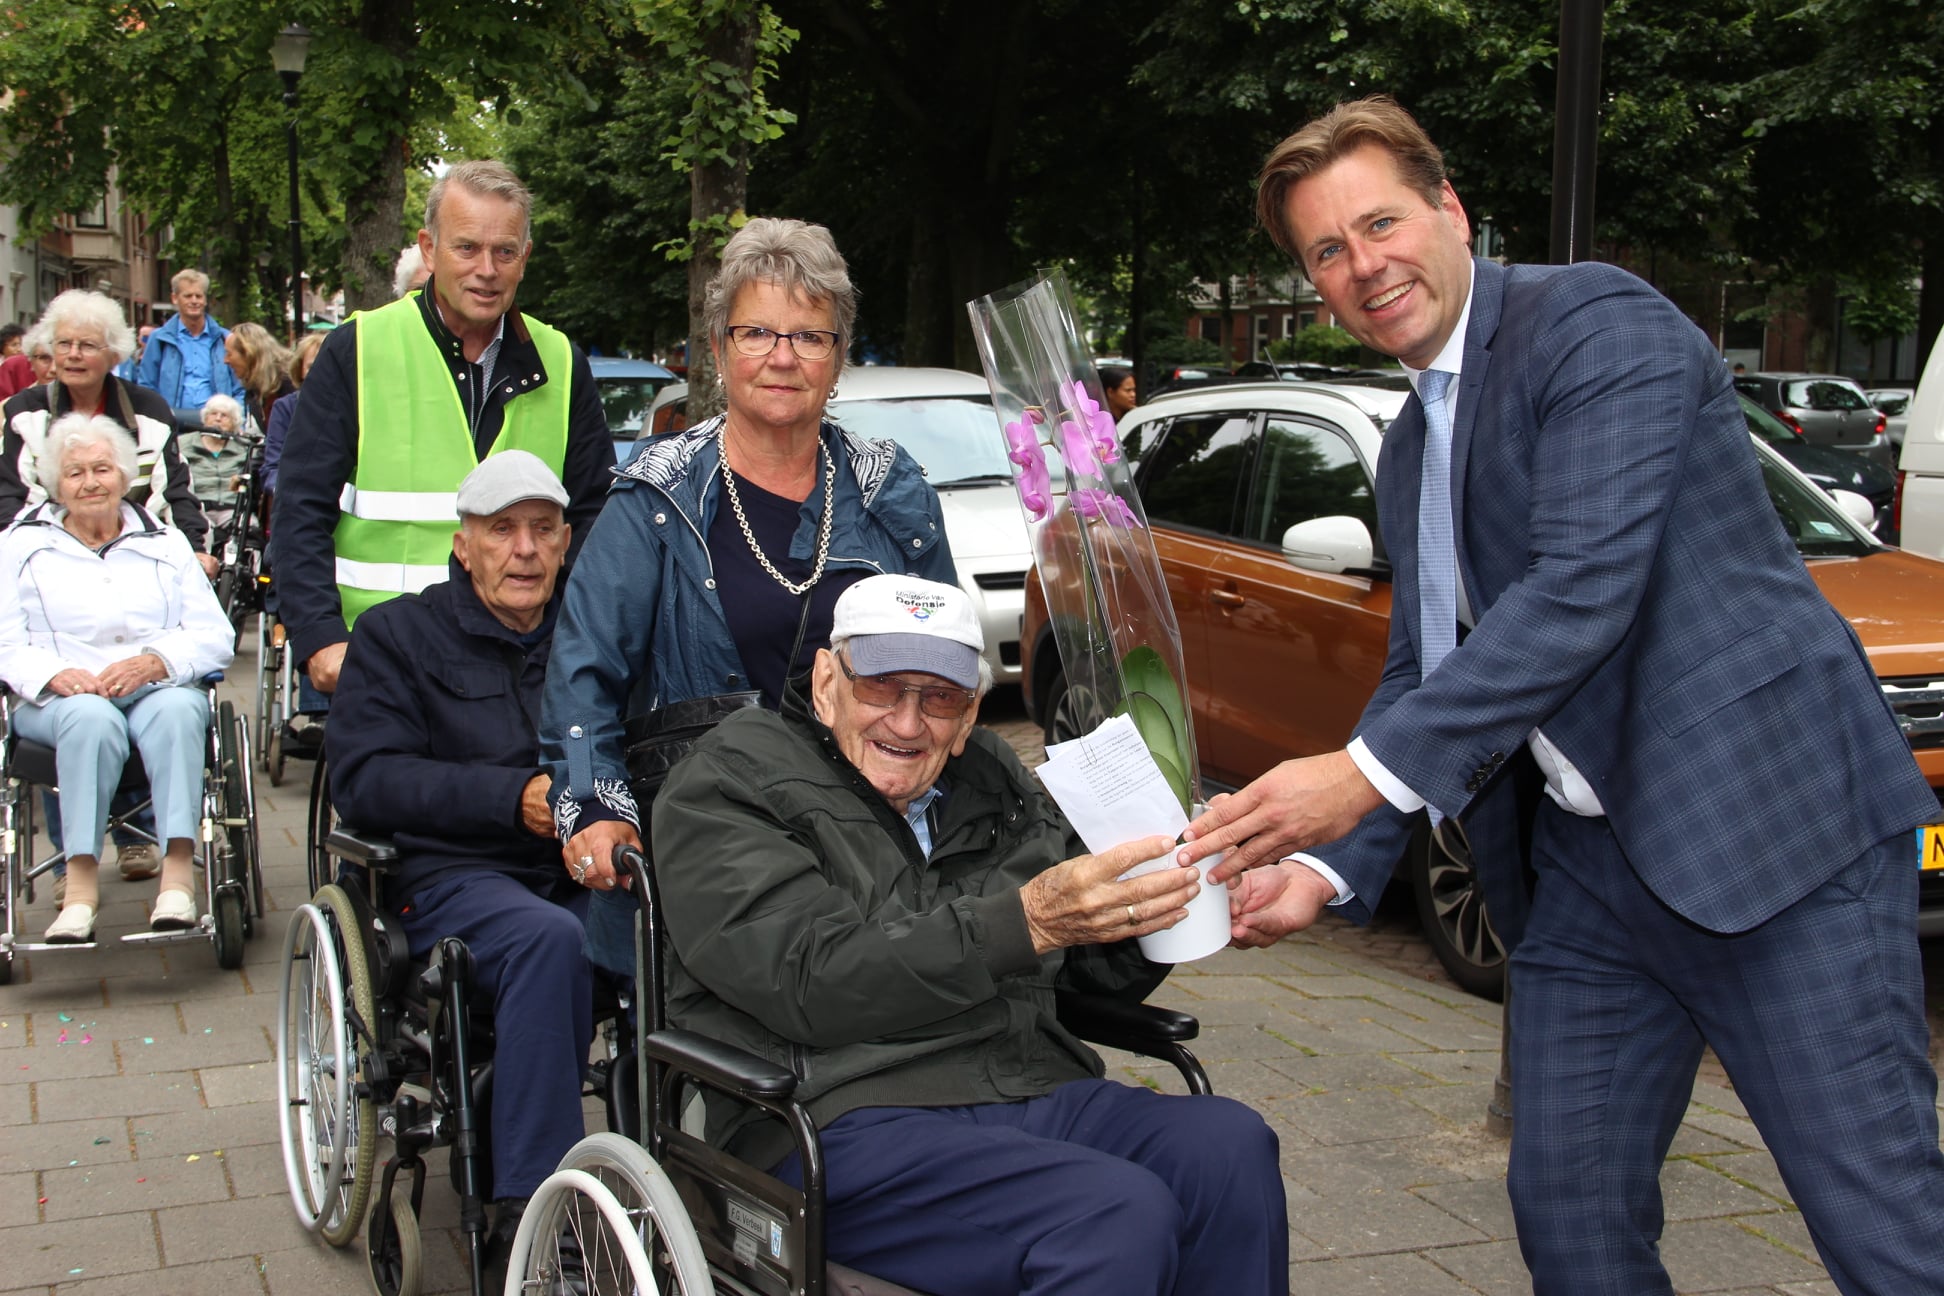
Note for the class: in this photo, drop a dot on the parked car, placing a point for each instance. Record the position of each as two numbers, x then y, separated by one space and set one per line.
944 417
1920 509
1830 469
1828 409
1261 504
1894 404
1308 371
627 388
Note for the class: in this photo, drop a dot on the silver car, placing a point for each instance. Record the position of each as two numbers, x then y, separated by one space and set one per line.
1894 404
944 417
1828 409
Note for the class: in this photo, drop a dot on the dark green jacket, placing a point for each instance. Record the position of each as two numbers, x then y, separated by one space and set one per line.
807 928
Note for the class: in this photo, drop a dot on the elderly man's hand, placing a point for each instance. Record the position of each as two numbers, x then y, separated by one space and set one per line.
589 853
1295 806
125 676
1267 904
536 816
74 680
324 665
1082 901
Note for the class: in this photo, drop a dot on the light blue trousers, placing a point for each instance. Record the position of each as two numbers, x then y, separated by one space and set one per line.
90 736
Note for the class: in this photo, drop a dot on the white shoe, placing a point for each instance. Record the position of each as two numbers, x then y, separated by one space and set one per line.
174 911
74 925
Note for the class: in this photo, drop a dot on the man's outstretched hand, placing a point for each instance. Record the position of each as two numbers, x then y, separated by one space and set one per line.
1266 904
1295 806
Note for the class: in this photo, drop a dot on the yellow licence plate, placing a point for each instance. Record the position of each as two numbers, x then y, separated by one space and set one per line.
1930 847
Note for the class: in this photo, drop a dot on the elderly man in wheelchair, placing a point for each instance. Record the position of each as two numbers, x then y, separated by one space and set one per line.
869 890
433 742
107 624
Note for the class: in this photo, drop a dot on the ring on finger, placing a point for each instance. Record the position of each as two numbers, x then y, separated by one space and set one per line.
1133 919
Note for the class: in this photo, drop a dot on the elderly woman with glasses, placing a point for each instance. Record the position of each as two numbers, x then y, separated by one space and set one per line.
106 624
722 549
87 337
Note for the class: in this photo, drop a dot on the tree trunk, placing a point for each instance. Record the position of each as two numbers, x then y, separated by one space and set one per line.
716 190
231 271
374 211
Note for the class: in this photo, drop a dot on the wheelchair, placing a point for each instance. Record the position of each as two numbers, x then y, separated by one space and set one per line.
226 850
373 1044
276 692
242 579
705 1221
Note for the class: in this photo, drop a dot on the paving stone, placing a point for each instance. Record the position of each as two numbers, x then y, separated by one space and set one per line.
219 1230
1354 1116
1347 1071
133 1186
1385 1275
16 1104
40 1255
1351 1026
1696 1190
1819 1287
1481 1203
167 1134
55 1143
19 1196
233 1086
13 1032
1692 1142
109 957
239 1277
1496 1268
294 1264
1466 1066
1460 1104
1717 1255
1735 1129
256 1170
105 1024
177 1052
135 1095
52 1063
1229 1042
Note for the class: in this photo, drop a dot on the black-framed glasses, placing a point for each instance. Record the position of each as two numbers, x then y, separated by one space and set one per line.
938 701
809 344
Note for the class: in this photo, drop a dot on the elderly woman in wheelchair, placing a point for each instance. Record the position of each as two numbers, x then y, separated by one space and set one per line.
107 622
870 891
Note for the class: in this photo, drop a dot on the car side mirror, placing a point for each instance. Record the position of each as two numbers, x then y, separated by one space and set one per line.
1330 544
1859 509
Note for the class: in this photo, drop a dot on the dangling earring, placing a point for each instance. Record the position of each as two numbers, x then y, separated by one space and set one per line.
833 392
718 380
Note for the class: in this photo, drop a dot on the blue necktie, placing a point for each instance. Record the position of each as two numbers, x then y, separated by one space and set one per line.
1437 554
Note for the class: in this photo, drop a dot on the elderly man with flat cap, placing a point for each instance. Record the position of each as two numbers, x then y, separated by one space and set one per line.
870 887
434 742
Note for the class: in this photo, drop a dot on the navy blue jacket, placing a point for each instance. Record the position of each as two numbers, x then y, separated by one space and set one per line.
434 733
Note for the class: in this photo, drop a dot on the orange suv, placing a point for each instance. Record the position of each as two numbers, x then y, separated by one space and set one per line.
1261 504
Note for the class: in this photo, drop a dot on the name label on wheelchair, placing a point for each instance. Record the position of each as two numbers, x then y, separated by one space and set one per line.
755 1230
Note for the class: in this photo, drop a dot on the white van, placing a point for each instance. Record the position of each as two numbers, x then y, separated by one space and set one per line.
1923 462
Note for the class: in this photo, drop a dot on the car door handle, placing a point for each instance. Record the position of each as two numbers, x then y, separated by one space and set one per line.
1227 598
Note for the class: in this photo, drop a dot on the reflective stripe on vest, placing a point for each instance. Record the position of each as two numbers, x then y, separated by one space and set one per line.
397 513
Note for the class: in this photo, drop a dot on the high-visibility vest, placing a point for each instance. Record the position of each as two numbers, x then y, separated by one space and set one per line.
399 510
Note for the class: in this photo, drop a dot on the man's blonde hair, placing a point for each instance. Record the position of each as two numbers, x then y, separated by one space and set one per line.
1379 120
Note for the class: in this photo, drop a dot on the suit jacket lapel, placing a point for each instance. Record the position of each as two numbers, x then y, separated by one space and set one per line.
1488 297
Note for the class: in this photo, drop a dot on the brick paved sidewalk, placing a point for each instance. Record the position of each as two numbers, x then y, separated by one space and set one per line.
139 1154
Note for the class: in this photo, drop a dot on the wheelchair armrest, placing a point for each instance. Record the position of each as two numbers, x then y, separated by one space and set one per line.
734 1071
1118 1023
373 850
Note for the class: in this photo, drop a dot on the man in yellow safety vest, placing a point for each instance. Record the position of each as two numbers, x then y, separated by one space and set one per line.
404 401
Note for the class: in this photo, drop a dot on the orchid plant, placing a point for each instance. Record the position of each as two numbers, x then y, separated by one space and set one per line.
1108 603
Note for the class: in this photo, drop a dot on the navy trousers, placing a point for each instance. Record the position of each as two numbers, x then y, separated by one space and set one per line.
1097 1189
1818 1017
526 948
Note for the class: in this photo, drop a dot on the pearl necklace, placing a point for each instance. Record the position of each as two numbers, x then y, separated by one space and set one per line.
742 520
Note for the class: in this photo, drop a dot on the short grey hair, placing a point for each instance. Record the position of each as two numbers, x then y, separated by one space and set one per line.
37 338
189 276
405 269
224 403
484 178
794 255
71 432
839 642
90 312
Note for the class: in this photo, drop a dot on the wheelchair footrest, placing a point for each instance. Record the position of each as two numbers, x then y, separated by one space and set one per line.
34 947
202 931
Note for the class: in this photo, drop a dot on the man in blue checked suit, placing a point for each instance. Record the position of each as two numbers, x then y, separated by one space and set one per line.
1608 663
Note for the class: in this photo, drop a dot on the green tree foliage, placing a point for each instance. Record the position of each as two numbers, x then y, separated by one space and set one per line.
1318 344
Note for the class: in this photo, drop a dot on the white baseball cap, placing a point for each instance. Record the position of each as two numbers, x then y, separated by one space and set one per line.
905 623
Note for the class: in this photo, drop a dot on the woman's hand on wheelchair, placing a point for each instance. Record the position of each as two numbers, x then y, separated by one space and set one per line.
589 853
118 679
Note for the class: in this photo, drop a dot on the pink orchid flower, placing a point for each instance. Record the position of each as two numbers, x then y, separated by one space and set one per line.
1100 425
1023 448
1104 506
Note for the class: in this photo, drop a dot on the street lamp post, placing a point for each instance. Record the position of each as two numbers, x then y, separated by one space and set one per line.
287 55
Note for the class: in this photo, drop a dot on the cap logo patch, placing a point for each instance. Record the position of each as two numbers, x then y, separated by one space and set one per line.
920 605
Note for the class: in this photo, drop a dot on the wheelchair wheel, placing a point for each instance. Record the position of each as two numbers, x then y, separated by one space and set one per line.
240 816
393 1248
661 1222
575 1237
360 1136
230 934
320 821
314 1078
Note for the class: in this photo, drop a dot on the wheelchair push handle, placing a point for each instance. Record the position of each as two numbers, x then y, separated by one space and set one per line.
630 859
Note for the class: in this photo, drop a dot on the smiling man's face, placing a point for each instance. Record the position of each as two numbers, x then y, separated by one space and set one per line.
899 749
1393 268
478 259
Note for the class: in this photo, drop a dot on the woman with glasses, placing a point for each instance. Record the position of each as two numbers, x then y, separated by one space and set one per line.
86 337
722 549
